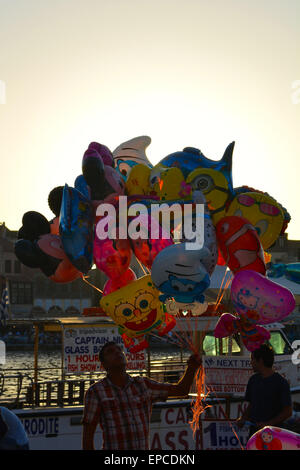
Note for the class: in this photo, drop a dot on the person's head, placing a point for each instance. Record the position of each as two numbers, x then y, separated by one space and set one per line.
262 358
112 356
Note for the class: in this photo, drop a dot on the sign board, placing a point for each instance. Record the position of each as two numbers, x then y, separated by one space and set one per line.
83 344
227 374
223 435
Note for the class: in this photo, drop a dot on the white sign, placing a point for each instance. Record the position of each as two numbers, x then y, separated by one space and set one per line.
223 435
82 347
227 374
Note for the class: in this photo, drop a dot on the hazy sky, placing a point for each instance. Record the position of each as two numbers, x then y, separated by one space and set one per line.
195 73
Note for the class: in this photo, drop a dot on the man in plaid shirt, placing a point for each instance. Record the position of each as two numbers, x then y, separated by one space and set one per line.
122 404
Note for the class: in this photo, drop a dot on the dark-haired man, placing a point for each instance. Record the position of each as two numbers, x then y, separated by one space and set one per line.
268 393
122 404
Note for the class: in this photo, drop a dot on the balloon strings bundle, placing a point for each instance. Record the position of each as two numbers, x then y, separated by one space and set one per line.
223 289
198 406
227 419
84 278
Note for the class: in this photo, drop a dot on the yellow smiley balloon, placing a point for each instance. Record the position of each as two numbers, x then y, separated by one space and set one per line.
262 211
135 308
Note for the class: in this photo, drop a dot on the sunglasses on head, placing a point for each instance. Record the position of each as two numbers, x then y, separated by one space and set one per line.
266 208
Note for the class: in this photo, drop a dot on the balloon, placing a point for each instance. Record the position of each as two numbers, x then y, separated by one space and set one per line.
147 248
136 309
113 257
192 158
138 181
76 228
257 301
47 254
182 272
82 186
291 271
104 152
114 284
262 211
34 225
55 199
54 226
52 246
252 291
131 153
240 245
274 438
195 308
214 186
168 183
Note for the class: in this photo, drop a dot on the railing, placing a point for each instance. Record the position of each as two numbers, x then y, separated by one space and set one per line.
70 392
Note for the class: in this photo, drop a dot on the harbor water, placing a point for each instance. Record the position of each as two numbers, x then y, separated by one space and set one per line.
17 373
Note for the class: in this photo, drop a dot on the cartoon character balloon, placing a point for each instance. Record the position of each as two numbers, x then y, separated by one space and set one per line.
274 438
136 309
257 301
240 245
262 211
76 228
131 153
39 246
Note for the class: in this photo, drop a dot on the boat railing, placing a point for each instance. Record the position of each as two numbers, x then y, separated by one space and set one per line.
18 378
70 391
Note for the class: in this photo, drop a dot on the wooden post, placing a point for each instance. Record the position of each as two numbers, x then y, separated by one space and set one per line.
148 362
36 351
62 355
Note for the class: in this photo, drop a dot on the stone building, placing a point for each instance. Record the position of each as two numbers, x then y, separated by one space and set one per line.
34 295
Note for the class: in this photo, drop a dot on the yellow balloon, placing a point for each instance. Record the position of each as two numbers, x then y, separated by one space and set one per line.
135 308
138 180
168 183
262 211
214 186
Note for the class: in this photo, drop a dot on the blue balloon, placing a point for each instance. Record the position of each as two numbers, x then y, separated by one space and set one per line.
76 228
191 158
82 186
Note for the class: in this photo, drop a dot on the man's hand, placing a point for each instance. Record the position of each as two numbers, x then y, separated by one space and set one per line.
194 361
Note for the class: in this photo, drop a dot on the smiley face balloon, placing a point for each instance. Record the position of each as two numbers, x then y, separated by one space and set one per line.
135 308
262 211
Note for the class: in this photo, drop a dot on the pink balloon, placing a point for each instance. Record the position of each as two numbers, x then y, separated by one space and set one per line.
260 300
147 248
257 301
112 256
274 438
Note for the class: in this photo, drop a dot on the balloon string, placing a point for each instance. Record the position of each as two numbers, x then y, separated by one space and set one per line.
226 418
84 278
143 267
197 406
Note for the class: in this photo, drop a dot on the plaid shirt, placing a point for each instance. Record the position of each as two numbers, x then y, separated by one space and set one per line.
123 413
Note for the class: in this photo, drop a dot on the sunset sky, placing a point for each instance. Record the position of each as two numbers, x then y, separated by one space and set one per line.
186 73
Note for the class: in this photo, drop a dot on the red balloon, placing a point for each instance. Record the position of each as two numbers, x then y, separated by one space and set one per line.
113 284
240 245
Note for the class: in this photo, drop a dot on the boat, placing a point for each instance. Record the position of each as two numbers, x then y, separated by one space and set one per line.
51 411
